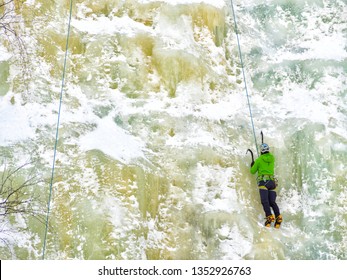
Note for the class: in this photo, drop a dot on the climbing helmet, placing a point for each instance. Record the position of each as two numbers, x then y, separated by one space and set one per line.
264 148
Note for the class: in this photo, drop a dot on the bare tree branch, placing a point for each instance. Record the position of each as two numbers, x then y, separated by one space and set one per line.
5 3
11 35
17 191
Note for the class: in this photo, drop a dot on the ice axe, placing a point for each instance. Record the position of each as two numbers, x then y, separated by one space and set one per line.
249 150
262 137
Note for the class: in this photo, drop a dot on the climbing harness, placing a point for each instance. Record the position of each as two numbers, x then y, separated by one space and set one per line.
244 76
57 133
266 177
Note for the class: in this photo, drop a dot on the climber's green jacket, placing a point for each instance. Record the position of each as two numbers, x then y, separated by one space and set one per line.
264 165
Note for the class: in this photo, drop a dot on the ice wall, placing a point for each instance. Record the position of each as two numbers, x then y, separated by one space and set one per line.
151 157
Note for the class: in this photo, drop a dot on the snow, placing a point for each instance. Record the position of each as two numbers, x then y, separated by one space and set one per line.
107 26
214 191
4 54
14 123
331 47
113 141
112 208
217 3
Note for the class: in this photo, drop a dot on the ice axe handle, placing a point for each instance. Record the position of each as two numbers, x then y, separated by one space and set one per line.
262 137
249 150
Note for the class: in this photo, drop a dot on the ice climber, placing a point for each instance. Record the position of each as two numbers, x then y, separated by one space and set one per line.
265 165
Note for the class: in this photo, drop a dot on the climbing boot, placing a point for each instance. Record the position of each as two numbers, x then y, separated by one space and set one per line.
269 220
278 221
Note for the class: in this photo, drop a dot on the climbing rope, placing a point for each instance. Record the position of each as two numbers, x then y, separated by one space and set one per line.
57 132
244 76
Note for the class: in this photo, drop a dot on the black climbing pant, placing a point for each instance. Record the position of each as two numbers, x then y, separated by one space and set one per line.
267 190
